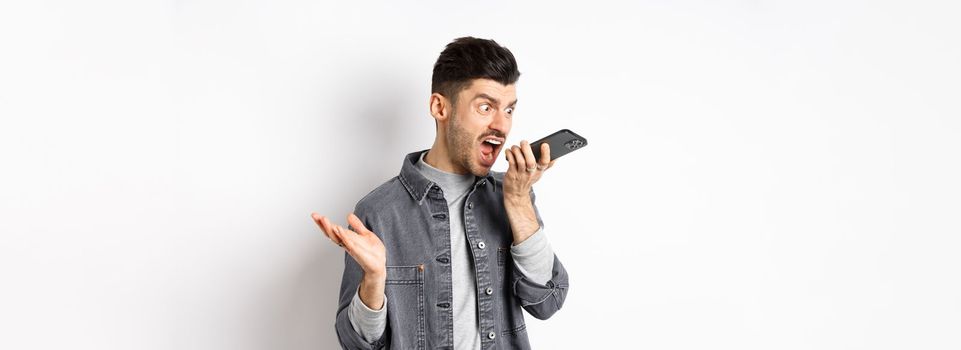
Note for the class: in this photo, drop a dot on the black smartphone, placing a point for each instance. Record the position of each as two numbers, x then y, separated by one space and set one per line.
561 142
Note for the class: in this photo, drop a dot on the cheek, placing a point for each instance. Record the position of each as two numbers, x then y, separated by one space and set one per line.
477 125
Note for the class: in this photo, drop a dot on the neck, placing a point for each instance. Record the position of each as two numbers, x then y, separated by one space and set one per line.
439 157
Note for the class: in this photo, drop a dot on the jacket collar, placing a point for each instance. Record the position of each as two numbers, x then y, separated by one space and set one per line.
417 185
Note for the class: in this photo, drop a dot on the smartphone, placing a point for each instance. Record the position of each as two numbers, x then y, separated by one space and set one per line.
561 142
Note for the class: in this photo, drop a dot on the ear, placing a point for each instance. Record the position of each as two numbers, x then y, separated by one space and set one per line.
440 107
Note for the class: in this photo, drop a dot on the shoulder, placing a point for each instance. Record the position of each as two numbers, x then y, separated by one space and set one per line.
380 197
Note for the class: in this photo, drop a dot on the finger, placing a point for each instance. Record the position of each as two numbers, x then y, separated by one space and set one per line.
319 220
510 160
519 160
528 154
345 238
346 231
519 163
551 164
545 156
330 232
347 235
357 225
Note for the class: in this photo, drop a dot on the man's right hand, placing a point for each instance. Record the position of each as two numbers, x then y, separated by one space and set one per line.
367 250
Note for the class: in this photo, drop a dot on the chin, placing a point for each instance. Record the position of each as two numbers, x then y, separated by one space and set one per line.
478 169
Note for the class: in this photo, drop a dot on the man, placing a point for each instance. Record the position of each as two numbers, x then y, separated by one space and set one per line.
446 254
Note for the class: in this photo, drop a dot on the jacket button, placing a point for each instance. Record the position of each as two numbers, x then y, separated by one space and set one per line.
489 291
470 205
491 335
481 245
483 182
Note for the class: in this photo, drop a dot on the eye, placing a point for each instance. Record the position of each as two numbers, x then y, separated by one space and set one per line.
510 110
485 108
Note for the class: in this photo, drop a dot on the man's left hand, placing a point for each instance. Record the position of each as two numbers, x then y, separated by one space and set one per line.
523 170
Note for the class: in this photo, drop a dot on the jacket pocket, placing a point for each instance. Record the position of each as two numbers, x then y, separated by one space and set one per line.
516 338
405 295
513 330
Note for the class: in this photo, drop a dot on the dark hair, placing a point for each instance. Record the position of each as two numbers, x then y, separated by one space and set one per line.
469 58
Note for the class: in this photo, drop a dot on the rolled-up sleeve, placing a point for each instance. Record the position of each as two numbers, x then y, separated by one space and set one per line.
540 295
534 257
366 321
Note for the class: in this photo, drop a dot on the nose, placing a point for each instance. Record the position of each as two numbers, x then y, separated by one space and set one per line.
501 122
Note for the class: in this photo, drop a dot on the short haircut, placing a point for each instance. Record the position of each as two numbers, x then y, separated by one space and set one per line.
469 58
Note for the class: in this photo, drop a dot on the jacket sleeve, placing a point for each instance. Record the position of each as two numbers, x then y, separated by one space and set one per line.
541 300
349 338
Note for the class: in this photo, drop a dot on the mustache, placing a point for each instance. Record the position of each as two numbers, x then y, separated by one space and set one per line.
493 133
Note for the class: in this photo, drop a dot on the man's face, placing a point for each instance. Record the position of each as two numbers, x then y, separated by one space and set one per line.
482 113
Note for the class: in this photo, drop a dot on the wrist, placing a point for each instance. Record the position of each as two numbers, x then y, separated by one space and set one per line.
371 290
517 199
375 276
523 232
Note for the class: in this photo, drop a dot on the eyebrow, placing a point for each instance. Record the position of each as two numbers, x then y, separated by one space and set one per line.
496 101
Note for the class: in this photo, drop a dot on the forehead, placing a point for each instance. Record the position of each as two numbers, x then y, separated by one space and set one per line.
503 93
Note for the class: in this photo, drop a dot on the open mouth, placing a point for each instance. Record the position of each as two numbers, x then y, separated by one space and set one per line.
489 148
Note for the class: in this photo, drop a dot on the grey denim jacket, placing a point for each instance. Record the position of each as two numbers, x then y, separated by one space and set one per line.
410 215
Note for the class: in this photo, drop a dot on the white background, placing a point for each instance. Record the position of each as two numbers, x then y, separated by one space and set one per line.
760 174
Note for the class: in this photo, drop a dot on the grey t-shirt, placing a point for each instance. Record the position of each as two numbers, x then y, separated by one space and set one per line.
533 257
455 188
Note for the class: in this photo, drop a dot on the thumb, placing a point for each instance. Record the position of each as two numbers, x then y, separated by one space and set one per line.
358 225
